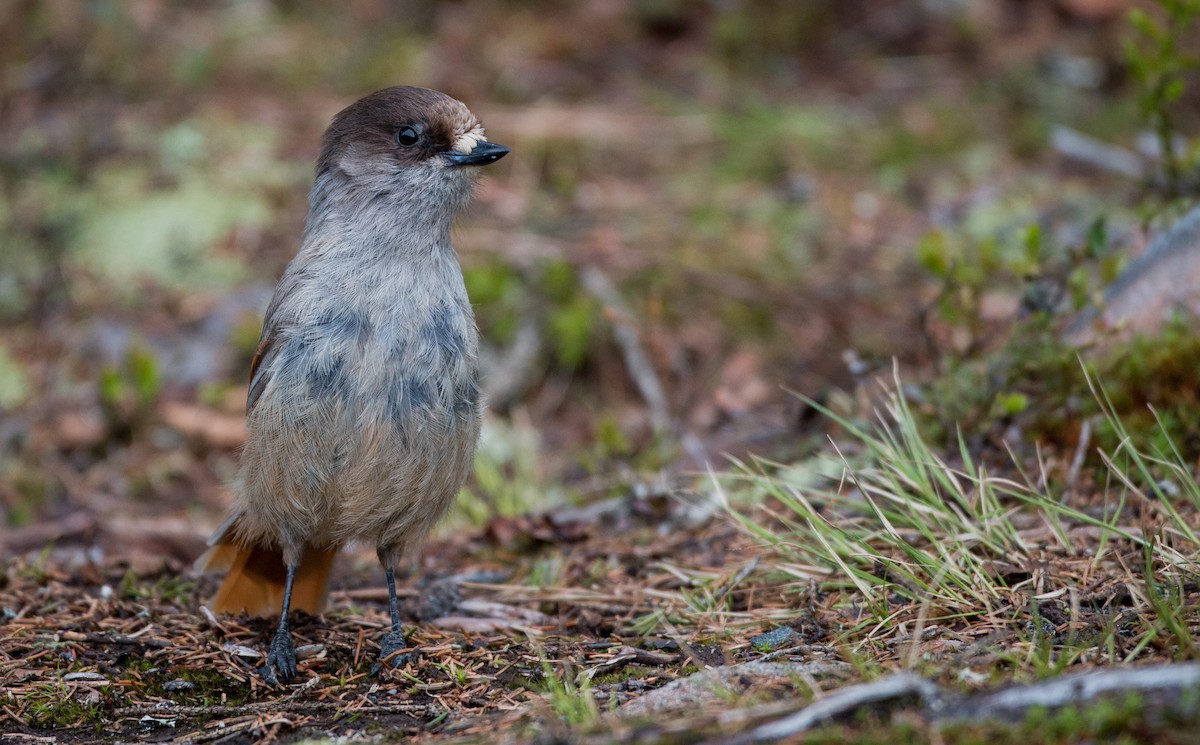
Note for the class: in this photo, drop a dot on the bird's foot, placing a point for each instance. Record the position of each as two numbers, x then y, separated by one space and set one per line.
281 659
391 652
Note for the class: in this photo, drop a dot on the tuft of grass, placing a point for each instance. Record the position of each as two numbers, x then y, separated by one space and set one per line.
906 532
570 696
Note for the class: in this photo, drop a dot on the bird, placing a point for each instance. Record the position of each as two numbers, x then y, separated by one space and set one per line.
363 409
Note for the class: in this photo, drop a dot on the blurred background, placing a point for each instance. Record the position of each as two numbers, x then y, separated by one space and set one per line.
710 206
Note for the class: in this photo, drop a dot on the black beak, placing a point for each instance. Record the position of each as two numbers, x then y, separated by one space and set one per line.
483 153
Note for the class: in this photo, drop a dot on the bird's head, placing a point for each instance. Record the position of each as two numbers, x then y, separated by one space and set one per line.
411 147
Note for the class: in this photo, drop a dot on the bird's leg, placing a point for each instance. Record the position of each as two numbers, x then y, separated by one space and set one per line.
281 658
393 641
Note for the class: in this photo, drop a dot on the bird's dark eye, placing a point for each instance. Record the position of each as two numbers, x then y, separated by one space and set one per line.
408 135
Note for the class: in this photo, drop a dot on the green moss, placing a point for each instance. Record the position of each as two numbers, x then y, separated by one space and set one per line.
211 687
165 588
54 705
629 672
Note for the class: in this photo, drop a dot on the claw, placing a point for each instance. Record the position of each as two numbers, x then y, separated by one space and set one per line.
281 659
392 643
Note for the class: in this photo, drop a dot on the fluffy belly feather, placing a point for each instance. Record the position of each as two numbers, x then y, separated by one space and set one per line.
361 439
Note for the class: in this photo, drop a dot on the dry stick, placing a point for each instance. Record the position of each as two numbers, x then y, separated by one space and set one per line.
262 707
798 649
623 658
93 637
1074 689
1013 702
228 729
636 360
30 738
842 702
674 635
1077 146
1081 449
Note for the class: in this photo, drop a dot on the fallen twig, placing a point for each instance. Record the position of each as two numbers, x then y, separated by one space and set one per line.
297 706
845 701
637 362
1075 689
1011 703
1077 146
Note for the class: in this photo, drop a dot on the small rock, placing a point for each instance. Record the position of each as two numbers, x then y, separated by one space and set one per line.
774 639
1043 628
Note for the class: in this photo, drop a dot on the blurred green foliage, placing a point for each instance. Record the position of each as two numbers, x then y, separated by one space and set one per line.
130 389
1025 375
1021 373
548 296
130 231
765 141
994 251
1161 55
509 477
14 381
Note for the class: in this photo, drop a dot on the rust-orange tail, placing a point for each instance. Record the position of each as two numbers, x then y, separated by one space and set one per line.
255 577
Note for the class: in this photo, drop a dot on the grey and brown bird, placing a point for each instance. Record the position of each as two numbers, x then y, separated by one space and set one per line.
364 408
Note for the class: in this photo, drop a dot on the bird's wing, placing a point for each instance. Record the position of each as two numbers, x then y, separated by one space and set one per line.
274 335
255 574
261 365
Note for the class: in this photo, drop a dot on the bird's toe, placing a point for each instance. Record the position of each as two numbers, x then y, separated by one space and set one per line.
391 652
281 659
